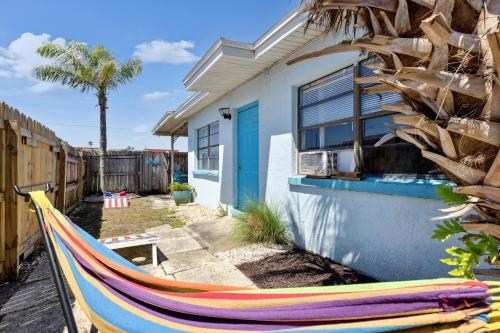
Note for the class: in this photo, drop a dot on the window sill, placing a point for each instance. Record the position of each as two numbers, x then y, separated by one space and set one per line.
418 188
213 173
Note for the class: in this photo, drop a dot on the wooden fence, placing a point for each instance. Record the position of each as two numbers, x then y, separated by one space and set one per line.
133 171
31 154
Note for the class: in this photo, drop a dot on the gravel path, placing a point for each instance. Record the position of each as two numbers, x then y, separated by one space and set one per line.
253 252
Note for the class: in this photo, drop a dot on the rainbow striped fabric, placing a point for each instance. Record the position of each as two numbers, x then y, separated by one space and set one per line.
120 297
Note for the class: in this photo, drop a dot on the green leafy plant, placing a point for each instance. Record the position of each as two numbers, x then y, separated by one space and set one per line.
476 245
261 223
182 187
450 197
222 210
447 229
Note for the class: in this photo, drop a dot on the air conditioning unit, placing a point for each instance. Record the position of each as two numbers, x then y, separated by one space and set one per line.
317 163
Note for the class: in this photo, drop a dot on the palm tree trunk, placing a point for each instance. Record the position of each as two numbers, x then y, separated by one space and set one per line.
102 140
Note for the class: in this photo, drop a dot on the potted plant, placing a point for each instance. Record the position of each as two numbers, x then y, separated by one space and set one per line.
182 192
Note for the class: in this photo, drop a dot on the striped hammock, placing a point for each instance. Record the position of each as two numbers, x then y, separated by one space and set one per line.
120 297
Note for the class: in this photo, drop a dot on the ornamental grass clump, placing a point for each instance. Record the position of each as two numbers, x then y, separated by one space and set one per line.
261 223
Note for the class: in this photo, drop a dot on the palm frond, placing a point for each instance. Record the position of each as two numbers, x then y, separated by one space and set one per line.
106 73
66 76
73 54
331 17
78 67
129 70
99 54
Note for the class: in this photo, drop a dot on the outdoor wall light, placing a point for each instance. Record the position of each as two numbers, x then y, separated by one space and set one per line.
225 113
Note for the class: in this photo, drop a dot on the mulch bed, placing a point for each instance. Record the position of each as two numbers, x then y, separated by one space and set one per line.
298 268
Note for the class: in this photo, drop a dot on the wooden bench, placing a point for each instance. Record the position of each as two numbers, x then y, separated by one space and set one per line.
133 240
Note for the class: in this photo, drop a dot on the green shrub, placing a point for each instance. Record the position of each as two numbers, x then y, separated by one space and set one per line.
182 187
222 210
261 223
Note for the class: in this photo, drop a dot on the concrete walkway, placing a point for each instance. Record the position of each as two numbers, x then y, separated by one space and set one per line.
184 258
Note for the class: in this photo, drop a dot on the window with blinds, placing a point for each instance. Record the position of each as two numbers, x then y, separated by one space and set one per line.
326 120
208 147
326 112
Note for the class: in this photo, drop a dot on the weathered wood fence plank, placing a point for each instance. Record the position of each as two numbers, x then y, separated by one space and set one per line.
31 154
133 171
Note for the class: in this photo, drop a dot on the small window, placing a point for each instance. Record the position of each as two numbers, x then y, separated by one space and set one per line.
208 147
339 136
310 139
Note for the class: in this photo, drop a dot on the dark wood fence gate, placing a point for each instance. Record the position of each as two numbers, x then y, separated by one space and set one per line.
134 171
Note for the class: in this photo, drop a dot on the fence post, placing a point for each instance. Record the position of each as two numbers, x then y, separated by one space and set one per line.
61 186
80 183
12 142
138 183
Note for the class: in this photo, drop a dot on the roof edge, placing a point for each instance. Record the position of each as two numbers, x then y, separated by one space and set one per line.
221 42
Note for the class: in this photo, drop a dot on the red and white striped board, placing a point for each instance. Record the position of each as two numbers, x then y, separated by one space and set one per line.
133 240
129 240
119 202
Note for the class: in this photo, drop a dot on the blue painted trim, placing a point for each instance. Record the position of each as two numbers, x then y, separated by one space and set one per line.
248 106
214 173
418 188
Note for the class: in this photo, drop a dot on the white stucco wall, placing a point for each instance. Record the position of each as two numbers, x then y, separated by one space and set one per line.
387 237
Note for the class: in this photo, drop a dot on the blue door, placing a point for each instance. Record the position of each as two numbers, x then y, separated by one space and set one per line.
248 154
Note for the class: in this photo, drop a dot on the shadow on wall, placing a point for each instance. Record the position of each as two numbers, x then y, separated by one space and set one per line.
323 229
226 180
386 237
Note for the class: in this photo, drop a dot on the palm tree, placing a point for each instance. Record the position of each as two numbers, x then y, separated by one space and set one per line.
443 57
93 70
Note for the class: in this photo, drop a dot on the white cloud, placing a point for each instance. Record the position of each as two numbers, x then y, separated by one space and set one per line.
141 129
166 52
159 95
19 58
44 86
5 73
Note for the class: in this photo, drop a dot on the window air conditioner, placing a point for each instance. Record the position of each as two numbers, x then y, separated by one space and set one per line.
317 163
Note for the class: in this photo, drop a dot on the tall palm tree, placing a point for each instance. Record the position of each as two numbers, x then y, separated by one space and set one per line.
443 57
93 70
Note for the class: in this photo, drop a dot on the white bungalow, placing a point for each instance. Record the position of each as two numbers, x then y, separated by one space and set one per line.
257 127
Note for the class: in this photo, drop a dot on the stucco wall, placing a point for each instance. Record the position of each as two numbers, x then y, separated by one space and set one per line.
387 237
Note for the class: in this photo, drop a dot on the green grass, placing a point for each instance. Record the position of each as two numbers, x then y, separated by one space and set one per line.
177 223
123 221
261 223
166 215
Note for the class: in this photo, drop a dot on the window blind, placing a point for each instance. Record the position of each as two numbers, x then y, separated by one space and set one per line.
327 99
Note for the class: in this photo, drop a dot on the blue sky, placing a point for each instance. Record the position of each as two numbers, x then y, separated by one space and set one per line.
168 35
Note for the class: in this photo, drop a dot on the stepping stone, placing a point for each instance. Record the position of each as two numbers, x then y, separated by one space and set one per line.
186 260
178 245
158 229
216 273
170 233
155 271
